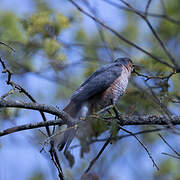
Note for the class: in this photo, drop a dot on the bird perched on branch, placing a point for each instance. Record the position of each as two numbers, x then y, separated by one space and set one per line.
102 88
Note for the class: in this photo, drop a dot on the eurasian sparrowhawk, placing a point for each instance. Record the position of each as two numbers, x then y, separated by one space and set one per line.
102 88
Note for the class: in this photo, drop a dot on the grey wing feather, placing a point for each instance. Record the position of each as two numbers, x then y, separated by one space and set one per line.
97 72
99 81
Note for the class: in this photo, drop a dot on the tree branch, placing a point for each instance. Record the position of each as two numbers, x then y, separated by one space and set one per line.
124 136
7 46
66 119
126 120
14 85
39 107
120 36
153 32
31 126
146 120
98 155
155 15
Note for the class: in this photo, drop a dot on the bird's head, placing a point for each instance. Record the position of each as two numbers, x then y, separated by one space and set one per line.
126 62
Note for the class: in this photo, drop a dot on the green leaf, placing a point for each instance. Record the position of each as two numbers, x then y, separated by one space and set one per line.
11 28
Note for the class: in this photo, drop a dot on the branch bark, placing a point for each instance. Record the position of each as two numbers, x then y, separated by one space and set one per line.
126 120
66 119
147 120
39 107
30 126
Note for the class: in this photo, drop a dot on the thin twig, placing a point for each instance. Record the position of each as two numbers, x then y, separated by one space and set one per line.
98 155
146 149
22 90
147 7
154 77
129 132
7 46
163 108
55 160
155 15
171 155
178 154
11 91
100 31
119 35
153 32
123 136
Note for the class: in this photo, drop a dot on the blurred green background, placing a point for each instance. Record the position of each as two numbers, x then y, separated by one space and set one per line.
56 49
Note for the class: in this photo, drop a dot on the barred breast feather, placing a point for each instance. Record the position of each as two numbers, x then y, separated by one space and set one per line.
118 87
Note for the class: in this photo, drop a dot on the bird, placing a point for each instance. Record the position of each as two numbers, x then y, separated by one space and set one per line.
102 88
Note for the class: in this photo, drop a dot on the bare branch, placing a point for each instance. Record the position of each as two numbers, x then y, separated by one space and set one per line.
163 107
146 120
154 77
143 145
124 136
120 36
129 132
126 120
147 7
55 160
155 15
178 154
171 155
7 46
39 107
31 126
101 31
154 33
22 90
98 155
128 135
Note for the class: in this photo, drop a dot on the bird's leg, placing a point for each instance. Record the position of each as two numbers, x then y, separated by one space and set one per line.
115 109
117 113
118 116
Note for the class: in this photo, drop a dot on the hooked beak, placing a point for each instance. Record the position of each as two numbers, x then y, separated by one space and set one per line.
136 66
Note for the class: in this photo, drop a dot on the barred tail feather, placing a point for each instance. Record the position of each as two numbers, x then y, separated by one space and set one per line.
73 110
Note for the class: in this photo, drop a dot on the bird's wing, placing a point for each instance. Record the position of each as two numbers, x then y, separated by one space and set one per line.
97 72
98 82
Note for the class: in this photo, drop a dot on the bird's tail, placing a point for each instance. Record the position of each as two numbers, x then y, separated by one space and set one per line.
73 110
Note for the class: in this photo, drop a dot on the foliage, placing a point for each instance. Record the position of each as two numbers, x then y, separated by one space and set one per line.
66 49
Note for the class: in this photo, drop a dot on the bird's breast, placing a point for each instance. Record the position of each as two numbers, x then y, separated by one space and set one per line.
117 88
